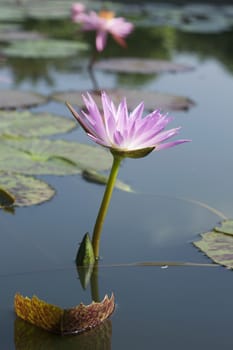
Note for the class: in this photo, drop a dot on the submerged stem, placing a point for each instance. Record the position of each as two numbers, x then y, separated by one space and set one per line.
105 204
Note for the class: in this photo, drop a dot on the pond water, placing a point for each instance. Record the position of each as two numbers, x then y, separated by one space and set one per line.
176 190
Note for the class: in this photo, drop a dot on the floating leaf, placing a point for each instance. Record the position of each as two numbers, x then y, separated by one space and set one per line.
218 244
93 176
140 65
54 319
199 18
23 190
207 26
44 48
6 199
203 18
152 100
38 313
14 35
82 317
11 13
52 157
57 9
27 124
225 227
29 337
49 10
218 247
12 99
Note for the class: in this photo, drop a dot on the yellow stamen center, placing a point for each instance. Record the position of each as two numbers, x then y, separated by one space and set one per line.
106 14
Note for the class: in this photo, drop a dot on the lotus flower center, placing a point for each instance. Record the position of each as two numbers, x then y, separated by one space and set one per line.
106 14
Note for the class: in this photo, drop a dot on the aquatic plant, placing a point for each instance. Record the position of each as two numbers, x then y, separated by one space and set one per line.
125 135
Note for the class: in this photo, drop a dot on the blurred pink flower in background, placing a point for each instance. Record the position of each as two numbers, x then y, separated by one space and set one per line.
103 23
76 9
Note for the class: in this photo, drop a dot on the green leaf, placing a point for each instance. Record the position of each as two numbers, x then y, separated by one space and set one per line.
49 10
44 48
23 190
204 18
12 99
93 176
6 199
13 35
140 65
218 244
27 124
52 157
11 13
225 227
152 100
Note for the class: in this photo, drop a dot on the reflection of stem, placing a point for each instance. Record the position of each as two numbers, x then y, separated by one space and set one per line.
105 204
91 71
93 78
94 283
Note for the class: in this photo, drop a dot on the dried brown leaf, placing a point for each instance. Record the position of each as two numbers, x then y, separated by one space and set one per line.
54 319
38 312
84 317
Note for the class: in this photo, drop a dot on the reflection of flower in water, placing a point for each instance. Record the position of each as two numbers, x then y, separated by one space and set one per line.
103 23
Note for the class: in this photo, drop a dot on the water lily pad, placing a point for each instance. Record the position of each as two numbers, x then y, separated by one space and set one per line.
58 9
11 13
44 48
52 157
218 244
10 35
138 65
12 99
49 10
152 100
56 320
225 227
218 247
25 190
6 198
203 18
207 26
93 176
27 124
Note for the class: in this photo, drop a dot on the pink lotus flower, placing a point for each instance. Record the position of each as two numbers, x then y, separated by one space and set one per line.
105 22
124 133
76 10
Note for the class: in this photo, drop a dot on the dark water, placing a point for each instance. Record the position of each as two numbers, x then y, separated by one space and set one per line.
164 308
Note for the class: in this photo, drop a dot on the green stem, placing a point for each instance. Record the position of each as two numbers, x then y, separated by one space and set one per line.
105 204
95 283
